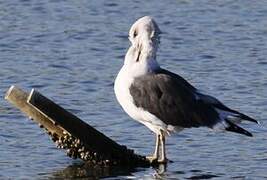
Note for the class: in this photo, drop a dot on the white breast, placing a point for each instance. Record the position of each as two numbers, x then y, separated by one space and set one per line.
121 88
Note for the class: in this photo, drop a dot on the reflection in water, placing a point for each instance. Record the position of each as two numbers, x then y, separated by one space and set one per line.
85 170
161 172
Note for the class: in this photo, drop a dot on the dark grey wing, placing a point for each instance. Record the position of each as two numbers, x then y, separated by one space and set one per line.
177 78
172 99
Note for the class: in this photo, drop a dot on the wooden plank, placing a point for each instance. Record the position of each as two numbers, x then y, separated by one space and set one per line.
73 124
69 132
18 98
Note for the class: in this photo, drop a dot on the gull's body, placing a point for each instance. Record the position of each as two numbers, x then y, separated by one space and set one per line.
162 100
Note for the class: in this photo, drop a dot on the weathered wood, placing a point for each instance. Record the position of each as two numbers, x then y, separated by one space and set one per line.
19 98
69 132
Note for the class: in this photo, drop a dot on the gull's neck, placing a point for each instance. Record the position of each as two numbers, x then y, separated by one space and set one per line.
146 63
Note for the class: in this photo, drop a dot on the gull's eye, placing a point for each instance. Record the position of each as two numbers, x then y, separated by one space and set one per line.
135 34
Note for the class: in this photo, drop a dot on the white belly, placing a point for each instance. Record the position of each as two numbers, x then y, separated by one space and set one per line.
122 92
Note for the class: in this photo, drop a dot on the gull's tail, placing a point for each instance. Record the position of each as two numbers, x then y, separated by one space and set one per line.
231 118
228 118
235 128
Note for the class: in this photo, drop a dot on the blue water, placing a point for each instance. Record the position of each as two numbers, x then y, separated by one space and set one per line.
71 52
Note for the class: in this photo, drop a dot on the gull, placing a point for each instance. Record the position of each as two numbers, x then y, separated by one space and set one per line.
162 100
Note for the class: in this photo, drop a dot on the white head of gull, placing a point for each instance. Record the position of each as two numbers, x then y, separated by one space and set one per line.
141 56
164 101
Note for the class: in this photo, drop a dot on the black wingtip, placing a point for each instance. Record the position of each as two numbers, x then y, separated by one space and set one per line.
245 117
234 128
